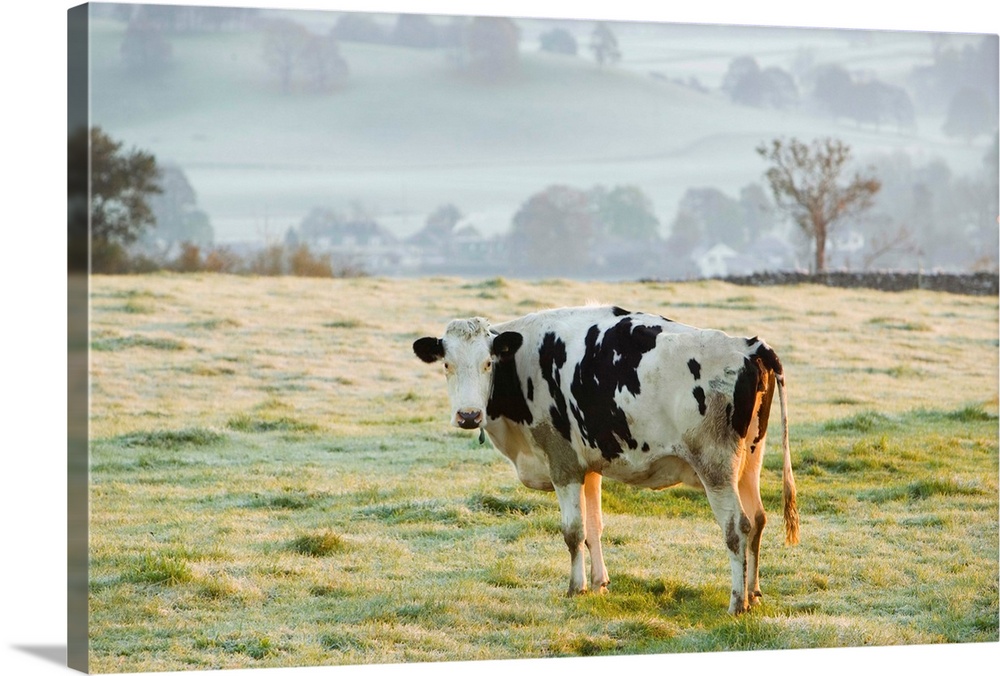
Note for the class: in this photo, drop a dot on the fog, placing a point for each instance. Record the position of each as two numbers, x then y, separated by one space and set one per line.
381 125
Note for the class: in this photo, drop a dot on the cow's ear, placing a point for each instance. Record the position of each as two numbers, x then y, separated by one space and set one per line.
506 344
429 349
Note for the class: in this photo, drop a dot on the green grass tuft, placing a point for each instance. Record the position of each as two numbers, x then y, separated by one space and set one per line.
114 344
255 424
970 413
343 324
747 632
503 573
215 323
899 324
503 506
291 500
319 544
920 490
134 307
866 421
423 511
165 569
256 646
339 642
172 439
493 283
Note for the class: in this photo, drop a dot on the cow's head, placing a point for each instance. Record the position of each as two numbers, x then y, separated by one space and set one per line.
470 351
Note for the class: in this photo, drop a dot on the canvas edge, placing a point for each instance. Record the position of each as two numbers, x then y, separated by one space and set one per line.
77 346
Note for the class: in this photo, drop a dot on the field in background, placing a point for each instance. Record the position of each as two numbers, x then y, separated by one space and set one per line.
274 482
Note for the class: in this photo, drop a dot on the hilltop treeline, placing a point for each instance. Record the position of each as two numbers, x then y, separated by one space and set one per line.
959 82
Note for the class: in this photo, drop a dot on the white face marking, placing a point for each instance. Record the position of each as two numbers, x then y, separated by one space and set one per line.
468 366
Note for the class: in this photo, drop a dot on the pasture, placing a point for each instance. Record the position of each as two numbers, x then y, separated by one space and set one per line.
274 482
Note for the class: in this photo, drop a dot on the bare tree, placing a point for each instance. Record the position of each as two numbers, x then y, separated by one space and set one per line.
807 185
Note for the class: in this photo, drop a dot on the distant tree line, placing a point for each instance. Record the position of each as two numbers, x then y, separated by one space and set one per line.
486 49
835 91
146 50
959 83
144 216
178 18
934 217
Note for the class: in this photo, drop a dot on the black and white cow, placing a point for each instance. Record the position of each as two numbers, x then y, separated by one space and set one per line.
575 394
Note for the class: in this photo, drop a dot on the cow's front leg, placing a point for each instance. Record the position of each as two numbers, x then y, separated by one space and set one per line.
593 528
571 502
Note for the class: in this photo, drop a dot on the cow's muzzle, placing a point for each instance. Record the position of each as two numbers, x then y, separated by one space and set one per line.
469 419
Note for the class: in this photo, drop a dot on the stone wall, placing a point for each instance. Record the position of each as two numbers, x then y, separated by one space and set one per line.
977 284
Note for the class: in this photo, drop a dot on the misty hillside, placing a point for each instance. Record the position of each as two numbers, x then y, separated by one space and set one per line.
404 107
409 132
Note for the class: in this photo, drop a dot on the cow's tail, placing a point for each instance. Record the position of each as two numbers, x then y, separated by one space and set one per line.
787 478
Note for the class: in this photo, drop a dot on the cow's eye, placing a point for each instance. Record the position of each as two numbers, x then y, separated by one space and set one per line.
447 367
487 366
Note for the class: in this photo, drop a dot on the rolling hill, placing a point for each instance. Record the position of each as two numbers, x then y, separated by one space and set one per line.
409 132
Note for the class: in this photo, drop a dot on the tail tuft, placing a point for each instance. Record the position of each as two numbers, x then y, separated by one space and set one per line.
787 477
791 516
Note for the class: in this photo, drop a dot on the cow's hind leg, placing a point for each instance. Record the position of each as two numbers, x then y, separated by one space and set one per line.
736 526
750 485
754 508
594 526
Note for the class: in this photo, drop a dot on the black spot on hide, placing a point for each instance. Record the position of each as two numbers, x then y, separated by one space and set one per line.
695 368
619 312
610 365
506 399
765 409
531 390
749 381
732 539
769 359
551 358
699 395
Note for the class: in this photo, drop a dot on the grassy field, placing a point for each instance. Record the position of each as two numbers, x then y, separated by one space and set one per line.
274 482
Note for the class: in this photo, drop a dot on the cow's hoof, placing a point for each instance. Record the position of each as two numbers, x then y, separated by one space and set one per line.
571 592
737 606
755 598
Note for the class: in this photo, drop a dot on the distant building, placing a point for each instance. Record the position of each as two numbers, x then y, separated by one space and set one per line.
766 253
458 249
360 242
842 247
717 261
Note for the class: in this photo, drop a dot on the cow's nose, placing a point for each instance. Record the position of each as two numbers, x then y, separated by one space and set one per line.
469 419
